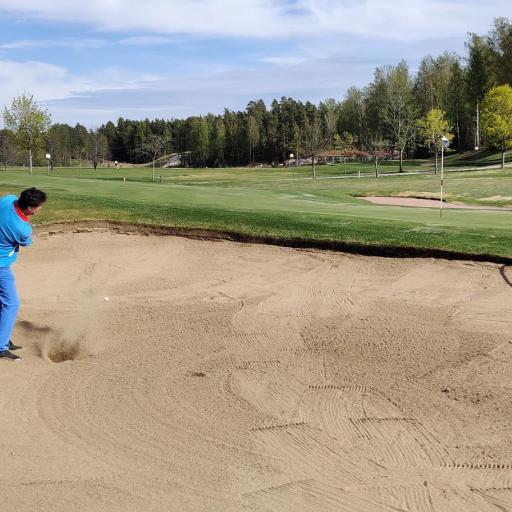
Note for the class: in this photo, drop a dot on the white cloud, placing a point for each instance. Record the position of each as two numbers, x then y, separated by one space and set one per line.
48 82
148 40
379 19
222 17
45 81
53 43
284 61
406 19
198 94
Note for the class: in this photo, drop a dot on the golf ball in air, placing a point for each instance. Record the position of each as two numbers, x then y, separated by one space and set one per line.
107 299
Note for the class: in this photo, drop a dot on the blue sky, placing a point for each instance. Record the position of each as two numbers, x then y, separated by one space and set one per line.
95 61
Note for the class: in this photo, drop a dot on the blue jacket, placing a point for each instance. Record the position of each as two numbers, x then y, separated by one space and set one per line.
14 231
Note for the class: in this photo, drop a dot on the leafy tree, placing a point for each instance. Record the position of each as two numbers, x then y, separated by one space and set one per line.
296 143
344 143
497 118
253 135
329 110
255 121
4 146
396 107
140 135
480 75
59 143
458 111
433 80
500 42
271 127
219 142
289 113
199 140
28 122
232 149
79 142
353 113
110 132
431 129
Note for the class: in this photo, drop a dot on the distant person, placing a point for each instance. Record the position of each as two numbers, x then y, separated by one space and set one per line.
15 231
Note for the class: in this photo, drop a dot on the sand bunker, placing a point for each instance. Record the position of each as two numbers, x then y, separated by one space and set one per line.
424 203
226 377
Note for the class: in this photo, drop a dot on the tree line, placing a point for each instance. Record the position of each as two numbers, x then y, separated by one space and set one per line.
467 100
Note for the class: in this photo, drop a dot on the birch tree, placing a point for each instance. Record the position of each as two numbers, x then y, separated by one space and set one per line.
28 123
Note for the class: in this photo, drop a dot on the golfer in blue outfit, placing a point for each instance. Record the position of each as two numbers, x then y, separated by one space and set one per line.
15 231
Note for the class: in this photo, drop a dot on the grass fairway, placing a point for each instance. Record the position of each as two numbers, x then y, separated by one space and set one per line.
285 204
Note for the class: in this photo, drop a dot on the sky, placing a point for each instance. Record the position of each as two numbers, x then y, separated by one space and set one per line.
97 60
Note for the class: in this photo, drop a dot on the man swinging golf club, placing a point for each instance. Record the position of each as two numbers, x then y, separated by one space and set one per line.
15 231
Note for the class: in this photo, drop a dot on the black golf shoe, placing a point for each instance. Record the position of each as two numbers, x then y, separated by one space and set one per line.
6 354
12 346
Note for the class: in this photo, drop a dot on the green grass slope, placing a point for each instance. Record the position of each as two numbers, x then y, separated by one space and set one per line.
286 205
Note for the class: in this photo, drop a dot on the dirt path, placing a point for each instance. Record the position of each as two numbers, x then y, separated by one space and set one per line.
223 377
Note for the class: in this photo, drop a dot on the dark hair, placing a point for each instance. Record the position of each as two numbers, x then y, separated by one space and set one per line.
31 197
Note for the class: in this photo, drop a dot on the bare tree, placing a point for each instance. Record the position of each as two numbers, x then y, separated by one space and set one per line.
312 141
154 146
377 145
97 146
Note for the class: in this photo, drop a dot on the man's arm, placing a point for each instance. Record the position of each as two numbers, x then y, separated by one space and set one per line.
26 240
23 237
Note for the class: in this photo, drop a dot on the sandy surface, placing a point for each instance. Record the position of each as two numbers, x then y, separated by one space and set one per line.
425 203
225 377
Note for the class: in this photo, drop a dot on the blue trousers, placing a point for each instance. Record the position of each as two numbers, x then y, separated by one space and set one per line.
9 305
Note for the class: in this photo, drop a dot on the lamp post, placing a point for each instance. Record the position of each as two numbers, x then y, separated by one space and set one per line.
444 144
48 158
291 158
